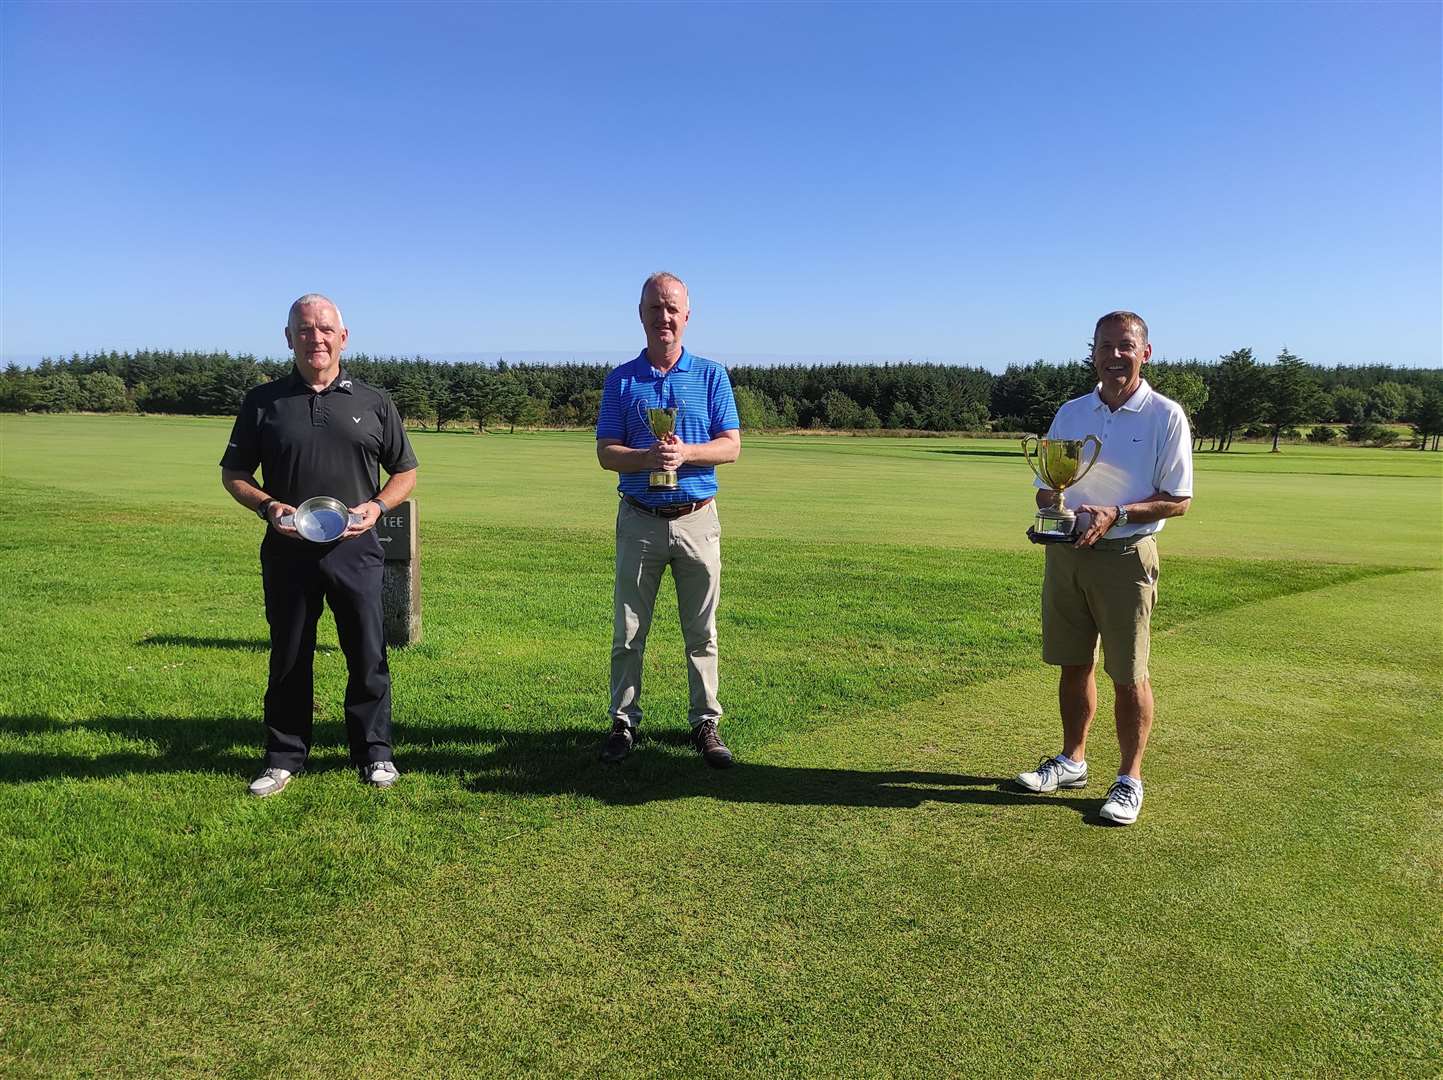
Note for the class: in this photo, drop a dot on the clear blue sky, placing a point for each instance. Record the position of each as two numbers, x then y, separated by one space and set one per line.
968 184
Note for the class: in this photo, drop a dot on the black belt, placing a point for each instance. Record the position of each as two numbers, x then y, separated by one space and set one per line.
672 510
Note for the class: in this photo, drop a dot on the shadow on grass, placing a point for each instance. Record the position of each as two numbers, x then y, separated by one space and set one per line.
210 744
237 644
516 762
664 767
975 453
216 744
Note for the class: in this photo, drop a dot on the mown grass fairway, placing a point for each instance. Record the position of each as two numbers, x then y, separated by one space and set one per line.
864 895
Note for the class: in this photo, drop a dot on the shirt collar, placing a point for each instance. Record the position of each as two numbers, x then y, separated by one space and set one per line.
644 370
341 382
1132 404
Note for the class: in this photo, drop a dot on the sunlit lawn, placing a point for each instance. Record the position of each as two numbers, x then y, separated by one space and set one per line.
863 895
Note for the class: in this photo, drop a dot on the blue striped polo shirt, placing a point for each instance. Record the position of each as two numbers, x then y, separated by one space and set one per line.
708 408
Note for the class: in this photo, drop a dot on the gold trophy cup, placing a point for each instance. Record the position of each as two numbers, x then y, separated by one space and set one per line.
1058 463
662 423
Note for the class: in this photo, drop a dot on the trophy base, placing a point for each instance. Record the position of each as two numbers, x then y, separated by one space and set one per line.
1051 537
662 481
1053 525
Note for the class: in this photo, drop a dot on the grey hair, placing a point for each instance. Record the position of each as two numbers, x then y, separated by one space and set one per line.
658 278
315 298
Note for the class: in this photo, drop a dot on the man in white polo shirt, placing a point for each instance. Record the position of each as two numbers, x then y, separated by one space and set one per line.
1104 585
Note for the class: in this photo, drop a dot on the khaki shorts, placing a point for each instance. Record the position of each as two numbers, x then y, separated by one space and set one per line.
1105 591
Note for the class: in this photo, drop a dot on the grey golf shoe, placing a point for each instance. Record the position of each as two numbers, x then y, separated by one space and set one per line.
270 782
380 774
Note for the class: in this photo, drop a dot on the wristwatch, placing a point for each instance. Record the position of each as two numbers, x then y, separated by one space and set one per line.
384 508
1121 517
264 508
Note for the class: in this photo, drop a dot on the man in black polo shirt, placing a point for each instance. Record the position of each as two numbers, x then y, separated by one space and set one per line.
318 432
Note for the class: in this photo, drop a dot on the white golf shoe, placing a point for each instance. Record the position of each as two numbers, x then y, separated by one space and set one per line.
1053 773
1123 803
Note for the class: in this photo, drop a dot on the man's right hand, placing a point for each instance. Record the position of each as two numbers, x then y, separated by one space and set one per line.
275 511
668 455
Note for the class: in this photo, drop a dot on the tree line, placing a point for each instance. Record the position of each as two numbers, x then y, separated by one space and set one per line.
1232 396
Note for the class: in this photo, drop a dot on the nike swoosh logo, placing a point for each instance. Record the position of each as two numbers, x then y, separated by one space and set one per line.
1137 440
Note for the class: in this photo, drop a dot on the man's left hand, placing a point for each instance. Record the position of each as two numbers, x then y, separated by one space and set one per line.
368 512
1099 520
671 453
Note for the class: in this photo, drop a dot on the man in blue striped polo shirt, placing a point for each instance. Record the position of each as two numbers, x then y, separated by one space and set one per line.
677 527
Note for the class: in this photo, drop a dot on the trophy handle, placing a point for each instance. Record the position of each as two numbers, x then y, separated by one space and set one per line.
1034 442
1097 443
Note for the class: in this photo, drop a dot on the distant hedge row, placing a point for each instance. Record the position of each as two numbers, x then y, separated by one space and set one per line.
1233 395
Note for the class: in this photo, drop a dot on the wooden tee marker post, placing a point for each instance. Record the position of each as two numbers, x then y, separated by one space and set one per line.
401 576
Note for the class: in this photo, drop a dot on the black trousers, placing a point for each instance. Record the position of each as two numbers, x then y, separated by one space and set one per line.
299 577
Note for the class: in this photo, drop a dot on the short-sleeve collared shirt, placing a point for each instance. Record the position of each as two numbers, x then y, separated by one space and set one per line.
1146 448
328 443
703 392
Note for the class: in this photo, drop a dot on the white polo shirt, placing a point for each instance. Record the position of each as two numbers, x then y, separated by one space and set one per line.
1146 448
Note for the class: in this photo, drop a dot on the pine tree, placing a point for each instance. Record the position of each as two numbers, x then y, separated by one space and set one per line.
1290 394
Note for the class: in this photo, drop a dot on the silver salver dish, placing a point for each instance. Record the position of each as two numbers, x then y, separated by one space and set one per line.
321 519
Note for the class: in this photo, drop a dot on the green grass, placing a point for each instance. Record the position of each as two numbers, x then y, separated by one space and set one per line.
863 895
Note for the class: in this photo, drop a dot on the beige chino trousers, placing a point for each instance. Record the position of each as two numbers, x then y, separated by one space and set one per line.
645 547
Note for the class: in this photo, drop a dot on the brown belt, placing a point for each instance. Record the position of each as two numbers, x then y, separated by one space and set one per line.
672 510
1123 543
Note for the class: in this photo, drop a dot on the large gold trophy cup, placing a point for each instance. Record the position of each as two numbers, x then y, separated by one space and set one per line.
1058 463
662 423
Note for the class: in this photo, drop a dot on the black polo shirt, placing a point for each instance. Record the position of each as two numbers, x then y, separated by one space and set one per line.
327 443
